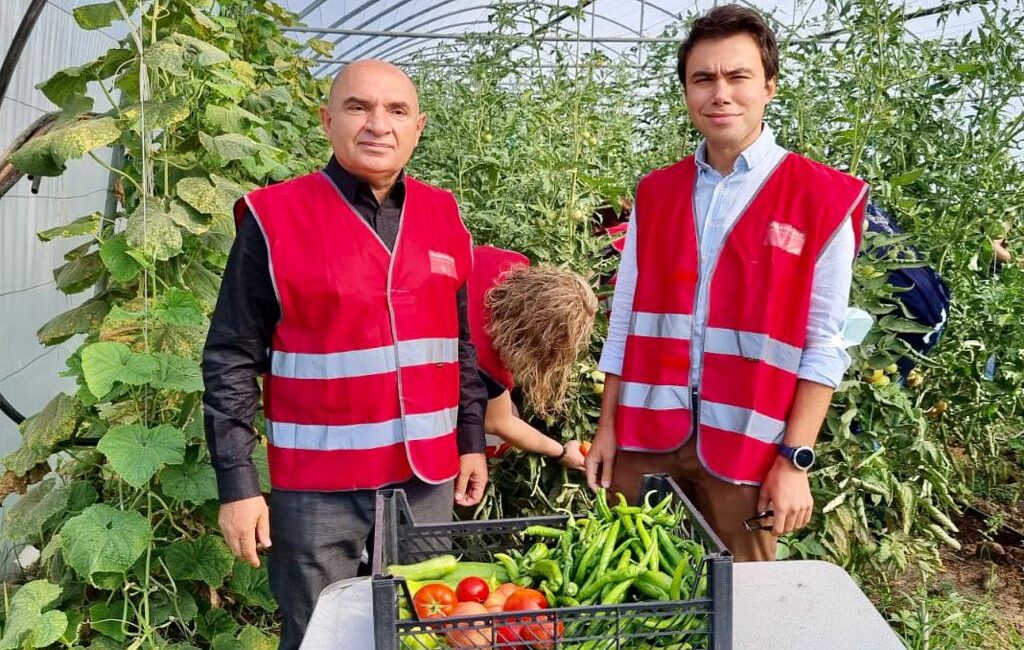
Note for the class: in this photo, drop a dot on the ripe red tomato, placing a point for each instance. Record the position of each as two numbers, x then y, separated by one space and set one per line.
585 448
434 600
523 600
541 635
472 590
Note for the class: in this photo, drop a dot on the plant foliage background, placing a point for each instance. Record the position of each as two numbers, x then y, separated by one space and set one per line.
534 139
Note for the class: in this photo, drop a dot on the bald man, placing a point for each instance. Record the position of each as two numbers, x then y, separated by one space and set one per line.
346 290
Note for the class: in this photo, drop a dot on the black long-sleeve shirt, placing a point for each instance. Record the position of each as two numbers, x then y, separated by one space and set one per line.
237 347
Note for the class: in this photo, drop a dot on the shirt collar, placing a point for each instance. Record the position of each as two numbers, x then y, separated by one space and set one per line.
753 155
352 187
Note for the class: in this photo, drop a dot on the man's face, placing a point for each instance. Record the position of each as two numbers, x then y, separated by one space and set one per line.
726 92
372 120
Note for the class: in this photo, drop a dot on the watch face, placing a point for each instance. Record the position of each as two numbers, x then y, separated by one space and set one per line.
803 458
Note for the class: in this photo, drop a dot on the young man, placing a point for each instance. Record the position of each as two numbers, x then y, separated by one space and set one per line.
724 348
346 290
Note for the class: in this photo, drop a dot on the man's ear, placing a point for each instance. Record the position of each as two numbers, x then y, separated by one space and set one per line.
772 85
421 122
325 121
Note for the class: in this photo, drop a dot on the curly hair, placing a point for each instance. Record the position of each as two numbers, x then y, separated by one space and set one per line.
541 318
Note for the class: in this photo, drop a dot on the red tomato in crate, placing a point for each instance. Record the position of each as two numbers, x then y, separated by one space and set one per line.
472 590
523 600
434 600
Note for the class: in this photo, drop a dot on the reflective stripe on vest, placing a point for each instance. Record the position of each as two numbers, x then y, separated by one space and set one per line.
669 326
360 363
753 346
741 420
322 437
654 396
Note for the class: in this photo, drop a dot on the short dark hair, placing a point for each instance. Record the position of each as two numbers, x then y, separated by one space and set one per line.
729 20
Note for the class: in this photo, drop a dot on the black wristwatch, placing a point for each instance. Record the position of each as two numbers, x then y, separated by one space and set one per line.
802 457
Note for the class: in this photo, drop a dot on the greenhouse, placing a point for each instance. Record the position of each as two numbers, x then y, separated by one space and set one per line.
409 222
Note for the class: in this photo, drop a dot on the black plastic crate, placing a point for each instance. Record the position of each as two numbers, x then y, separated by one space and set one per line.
705 623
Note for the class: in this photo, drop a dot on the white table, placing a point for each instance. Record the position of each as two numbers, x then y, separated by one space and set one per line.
793 605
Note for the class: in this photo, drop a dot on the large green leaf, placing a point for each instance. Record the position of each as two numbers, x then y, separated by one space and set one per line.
201 52
28 625
79 274
177 373
230 146
67 85
207 559
46 155
193 482
177 307
225 641
152 230
252 638
114 253
156 115
104 539
23 521
252 585
43 432
206 197
137 453
166 56
87 225
204 283
109 619
101 14
79 320
105 363
183 608
188 218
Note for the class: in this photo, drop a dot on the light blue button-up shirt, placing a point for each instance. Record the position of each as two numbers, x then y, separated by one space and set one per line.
719 201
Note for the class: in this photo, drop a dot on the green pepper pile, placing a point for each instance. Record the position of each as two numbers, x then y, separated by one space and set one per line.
618 553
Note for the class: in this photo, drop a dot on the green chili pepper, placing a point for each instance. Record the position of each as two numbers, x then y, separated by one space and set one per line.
617 594
675 588
545 531
641 530
550 570
538 551
511 566
661 506
625 559
668 549
612 577
588 557
524 581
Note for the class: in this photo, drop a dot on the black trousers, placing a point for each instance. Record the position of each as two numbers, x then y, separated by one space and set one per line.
318 539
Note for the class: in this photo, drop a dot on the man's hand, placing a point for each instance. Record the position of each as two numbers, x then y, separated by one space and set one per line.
787 491
601 459
573 458
246 527
469 486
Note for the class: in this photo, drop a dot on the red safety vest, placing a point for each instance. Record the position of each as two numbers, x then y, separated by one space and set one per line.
490 264
363 388
757 314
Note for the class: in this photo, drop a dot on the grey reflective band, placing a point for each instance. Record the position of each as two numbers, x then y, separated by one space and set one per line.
654 396
670 326
360 363
323 437
753 345
741 420
423 351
